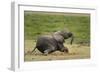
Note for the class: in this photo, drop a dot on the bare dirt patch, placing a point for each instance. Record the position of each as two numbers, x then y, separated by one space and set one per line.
76 51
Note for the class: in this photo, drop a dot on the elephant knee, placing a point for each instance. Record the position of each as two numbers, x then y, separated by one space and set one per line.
46 53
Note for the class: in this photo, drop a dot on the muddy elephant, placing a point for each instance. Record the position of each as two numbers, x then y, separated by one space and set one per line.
47 44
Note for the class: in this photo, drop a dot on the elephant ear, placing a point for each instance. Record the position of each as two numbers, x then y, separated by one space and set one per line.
58 38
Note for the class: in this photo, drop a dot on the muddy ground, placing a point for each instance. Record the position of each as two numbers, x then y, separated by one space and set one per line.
76 51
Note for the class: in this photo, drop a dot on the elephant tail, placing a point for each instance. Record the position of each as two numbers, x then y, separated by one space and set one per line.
33 50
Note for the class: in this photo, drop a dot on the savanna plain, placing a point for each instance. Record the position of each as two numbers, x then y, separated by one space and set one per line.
41 23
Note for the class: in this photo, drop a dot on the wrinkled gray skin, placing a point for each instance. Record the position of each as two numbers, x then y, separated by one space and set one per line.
47 44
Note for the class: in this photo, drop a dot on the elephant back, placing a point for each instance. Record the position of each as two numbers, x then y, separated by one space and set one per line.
58 38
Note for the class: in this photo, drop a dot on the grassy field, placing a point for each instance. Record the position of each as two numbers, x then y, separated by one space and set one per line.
37 23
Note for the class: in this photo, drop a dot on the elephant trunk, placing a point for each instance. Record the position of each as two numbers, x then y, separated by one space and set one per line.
72 38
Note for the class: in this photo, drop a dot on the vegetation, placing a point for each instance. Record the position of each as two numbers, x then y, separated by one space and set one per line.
37 23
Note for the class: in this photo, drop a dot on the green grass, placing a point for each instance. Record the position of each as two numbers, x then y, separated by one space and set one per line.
37 23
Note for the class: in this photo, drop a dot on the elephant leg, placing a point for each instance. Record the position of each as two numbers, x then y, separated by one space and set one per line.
49 50
64 49
46 52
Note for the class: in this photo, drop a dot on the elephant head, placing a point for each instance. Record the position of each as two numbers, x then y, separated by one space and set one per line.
61 35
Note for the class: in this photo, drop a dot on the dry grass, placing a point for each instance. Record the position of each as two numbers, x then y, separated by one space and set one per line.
76 51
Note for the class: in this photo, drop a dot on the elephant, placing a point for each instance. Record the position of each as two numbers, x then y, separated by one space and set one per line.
47 44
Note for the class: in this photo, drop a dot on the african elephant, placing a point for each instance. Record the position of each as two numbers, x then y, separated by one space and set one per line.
47 44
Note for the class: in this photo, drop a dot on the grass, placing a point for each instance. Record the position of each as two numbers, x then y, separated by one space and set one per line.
37 23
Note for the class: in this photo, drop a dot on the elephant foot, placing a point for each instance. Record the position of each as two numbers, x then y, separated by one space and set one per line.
45 53
66 51
48 51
